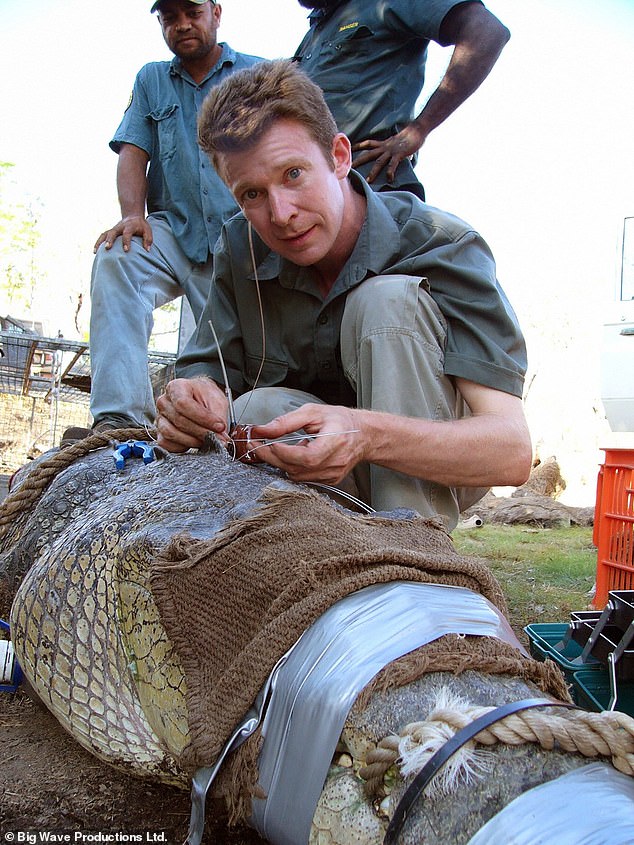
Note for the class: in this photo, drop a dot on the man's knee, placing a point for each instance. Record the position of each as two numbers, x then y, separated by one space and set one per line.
392 317
146 278
392 303
112 267
116 262
260 406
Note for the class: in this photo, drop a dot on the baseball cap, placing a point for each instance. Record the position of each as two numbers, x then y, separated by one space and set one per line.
197 2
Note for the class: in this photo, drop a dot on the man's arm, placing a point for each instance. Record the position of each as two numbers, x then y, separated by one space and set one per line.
132 190
492 447
479 38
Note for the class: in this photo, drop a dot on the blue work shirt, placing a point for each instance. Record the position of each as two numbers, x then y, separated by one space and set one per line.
369 60
182 182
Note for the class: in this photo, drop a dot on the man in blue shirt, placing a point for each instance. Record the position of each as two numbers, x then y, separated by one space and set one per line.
143 262
369 60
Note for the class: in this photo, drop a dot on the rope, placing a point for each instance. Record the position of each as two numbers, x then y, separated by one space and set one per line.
446 751
378 761
606 734
44 473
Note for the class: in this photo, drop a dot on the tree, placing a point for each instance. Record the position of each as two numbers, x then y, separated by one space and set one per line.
19 240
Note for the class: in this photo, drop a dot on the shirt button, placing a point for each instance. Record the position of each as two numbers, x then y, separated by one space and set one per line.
205 191
325 365
209 220
323 319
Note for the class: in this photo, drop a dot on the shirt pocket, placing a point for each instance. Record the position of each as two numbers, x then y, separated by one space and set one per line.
166 123
273 372
353 41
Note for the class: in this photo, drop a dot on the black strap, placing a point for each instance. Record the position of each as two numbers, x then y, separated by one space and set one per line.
460 738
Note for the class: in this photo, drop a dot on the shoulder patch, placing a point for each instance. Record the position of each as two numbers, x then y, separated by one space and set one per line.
349 26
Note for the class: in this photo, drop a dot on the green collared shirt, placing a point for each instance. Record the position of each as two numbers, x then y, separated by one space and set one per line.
368 58
401 235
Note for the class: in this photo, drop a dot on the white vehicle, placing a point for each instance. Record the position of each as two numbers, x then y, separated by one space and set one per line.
617 364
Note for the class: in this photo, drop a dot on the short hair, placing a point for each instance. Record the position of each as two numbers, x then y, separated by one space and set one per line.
238 112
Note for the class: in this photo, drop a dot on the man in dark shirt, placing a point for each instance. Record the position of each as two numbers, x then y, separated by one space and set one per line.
368 57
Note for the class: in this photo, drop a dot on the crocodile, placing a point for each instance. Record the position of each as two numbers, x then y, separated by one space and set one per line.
76 563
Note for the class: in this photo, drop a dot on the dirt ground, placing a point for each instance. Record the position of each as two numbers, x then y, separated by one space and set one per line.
48 783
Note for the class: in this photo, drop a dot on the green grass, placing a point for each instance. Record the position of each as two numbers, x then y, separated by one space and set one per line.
545 573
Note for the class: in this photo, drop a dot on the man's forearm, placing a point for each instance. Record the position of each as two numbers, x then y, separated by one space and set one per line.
459 453
492 447
479 38
132 180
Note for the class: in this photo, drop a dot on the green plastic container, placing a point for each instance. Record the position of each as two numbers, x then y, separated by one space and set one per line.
546 641
591 690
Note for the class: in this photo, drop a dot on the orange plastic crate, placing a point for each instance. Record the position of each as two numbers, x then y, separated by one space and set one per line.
614 524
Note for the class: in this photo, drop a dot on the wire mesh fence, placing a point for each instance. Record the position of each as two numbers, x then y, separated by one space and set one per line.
30 425
45 388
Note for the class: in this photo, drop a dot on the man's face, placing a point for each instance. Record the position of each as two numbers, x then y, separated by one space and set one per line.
189 30
291 193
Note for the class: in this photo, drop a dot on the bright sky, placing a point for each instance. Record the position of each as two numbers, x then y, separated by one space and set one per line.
539 160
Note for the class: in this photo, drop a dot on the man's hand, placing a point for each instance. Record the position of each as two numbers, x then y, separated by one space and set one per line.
332 447
132 190
126 229
390 152
187 411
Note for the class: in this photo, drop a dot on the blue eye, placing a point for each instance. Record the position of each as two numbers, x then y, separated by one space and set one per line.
294 173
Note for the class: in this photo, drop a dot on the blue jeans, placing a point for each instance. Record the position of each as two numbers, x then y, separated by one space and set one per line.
125 290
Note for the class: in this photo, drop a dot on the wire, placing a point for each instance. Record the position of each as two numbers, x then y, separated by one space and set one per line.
261 308
232 413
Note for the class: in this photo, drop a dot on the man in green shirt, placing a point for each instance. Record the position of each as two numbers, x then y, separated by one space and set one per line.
369 58
382 334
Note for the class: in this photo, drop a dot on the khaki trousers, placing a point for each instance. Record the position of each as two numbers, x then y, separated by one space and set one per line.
392 347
